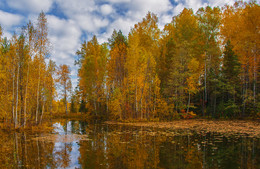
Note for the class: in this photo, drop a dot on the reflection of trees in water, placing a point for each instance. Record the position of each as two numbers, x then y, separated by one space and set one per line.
234 152
62 150
19 151
61 155
22 150
93 153
128 147
117 149
131 148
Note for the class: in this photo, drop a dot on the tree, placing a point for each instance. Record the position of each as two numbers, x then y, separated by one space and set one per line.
240 26
75 102
142 77
209 24
27 85
42 44
117 74
23 60
50 84
31 48
180 61
231 80
65 82
92 71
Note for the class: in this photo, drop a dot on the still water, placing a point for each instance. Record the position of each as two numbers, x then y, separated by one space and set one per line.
77 144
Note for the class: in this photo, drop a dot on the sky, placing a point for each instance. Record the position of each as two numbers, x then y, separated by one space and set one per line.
70 22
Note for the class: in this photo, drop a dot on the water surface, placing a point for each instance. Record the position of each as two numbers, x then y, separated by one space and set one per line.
77 144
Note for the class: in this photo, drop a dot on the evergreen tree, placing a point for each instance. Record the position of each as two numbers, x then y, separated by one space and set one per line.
231 81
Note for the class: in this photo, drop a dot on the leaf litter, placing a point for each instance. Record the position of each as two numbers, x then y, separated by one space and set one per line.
62 138
224 127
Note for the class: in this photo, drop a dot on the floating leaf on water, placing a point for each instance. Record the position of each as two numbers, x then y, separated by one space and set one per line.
124 142
218 141
86 139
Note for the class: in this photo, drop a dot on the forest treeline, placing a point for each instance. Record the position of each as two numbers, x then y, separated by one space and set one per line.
29 77
204 63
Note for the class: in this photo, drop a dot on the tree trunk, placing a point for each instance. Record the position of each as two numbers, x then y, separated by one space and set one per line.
188 103
13 99
136 104
42 112
21 116
66 111
255 79
25 99
205 81
43 102
17 95
142 90
95 106
38 92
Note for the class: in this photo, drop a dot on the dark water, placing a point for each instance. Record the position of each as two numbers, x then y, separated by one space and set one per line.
106 146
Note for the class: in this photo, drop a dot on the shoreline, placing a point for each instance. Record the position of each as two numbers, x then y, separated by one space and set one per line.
241 127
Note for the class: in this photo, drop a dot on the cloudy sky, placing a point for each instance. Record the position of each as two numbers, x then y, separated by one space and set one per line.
72 21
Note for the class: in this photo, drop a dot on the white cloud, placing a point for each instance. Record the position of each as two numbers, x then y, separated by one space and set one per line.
76 7
136 10
7 20
177 9
194 4
123 24
34 6
99 22
155 6
74 81
164 20
221 3
90 23
91 17
106 9
7 34
65 38
85 14
118 1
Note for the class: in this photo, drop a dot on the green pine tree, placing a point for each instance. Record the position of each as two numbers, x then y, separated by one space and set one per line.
231 81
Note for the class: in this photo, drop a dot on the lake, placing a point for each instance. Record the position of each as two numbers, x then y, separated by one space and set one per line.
77 144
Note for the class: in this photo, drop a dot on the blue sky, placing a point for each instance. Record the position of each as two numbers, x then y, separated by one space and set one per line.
72 21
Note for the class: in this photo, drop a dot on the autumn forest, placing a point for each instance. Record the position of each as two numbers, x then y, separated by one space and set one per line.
202 64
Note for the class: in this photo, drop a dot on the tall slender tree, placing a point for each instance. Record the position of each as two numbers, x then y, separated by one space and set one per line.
42 44
209 24
116 71
93 59
65 82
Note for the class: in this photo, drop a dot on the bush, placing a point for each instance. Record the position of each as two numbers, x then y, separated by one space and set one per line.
189 115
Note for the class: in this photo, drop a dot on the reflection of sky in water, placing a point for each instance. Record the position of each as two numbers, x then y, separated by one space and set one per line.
74 154
103 146
58 128
164 149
